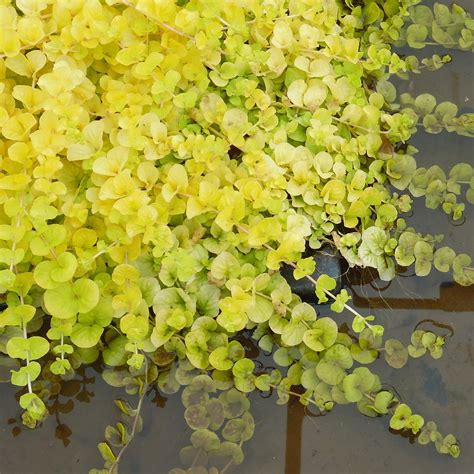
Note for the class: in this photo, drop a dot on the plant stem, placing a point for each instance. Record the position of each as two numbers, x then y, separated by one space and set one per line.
312 280
349 124
17 224
299 395
217 133
227 466
135 423
62 343
25 336
370 397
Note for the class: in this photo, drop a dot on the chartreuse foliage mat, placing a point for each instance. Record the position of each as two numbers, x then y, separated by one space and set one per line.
160 160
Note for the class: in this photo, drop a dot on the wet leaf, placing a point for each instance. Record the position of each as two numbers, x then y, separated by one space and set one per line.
396 354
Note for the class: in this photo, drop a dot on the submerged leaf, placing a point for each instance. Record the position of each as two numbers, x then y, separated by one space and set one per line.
396 354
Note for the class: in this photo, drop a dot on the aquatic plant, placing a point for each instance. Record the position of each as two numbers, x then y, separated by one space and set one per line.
161 160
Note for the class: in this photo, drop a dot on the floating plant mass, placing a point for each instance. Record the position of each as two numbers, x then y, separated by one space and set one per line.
162 160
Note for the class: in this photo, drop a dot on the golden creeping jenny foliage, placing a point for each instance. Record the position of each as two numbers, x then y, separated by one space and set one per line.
160 160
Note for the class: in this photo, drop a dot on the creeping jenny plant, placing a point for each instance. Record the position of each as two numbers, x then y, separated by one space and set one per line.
160 160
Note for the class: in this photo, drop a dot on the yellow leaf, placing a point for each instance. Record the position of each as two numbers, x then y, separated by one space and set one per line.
176 181
18 126
14 182
30 30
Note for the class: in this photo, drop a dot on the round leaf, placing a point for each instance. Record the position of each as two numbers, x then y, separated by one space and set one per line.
396 354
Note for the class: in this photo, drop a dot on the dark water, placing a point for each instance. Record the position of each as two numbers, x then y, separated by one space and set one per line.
287 439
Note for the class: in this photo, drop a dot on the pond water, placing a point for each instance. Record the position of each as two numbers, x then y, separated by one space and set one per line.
287 438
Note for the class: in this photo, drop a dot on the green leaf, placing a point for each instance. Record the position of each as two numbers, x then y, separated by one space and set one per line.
26 374
428 434
333 191
243 368
460 171
296 92
60 366
205 439
324 283
372 13
358 324
386 214
422 14
293 333
114 353
463 273
425 103
7 278
218 358
405 251
388 90
322 336
414 423
309 379
101 315
116 437
400 417
330 372
34 347
235 403
331 369
416 36
339 303
261 310
262 382
266 343
68 299
65 267
17 315
207 300
196 417
443 259
239 429
85 336
304 267
375 239
440 36
366 408
135 327
357 383
448 445
225 266
106 452
185 100
424 256
282 357
382 402
226 453
396 354
303 312
33 405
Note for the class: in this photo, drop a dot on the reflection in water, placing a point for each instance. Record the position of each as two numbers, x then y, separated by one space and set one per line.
80 388
59 403
294 432
296 414
451 298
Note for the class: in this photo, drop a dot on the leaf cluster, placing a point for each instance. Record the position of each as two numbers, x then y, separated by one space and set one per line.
161 160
